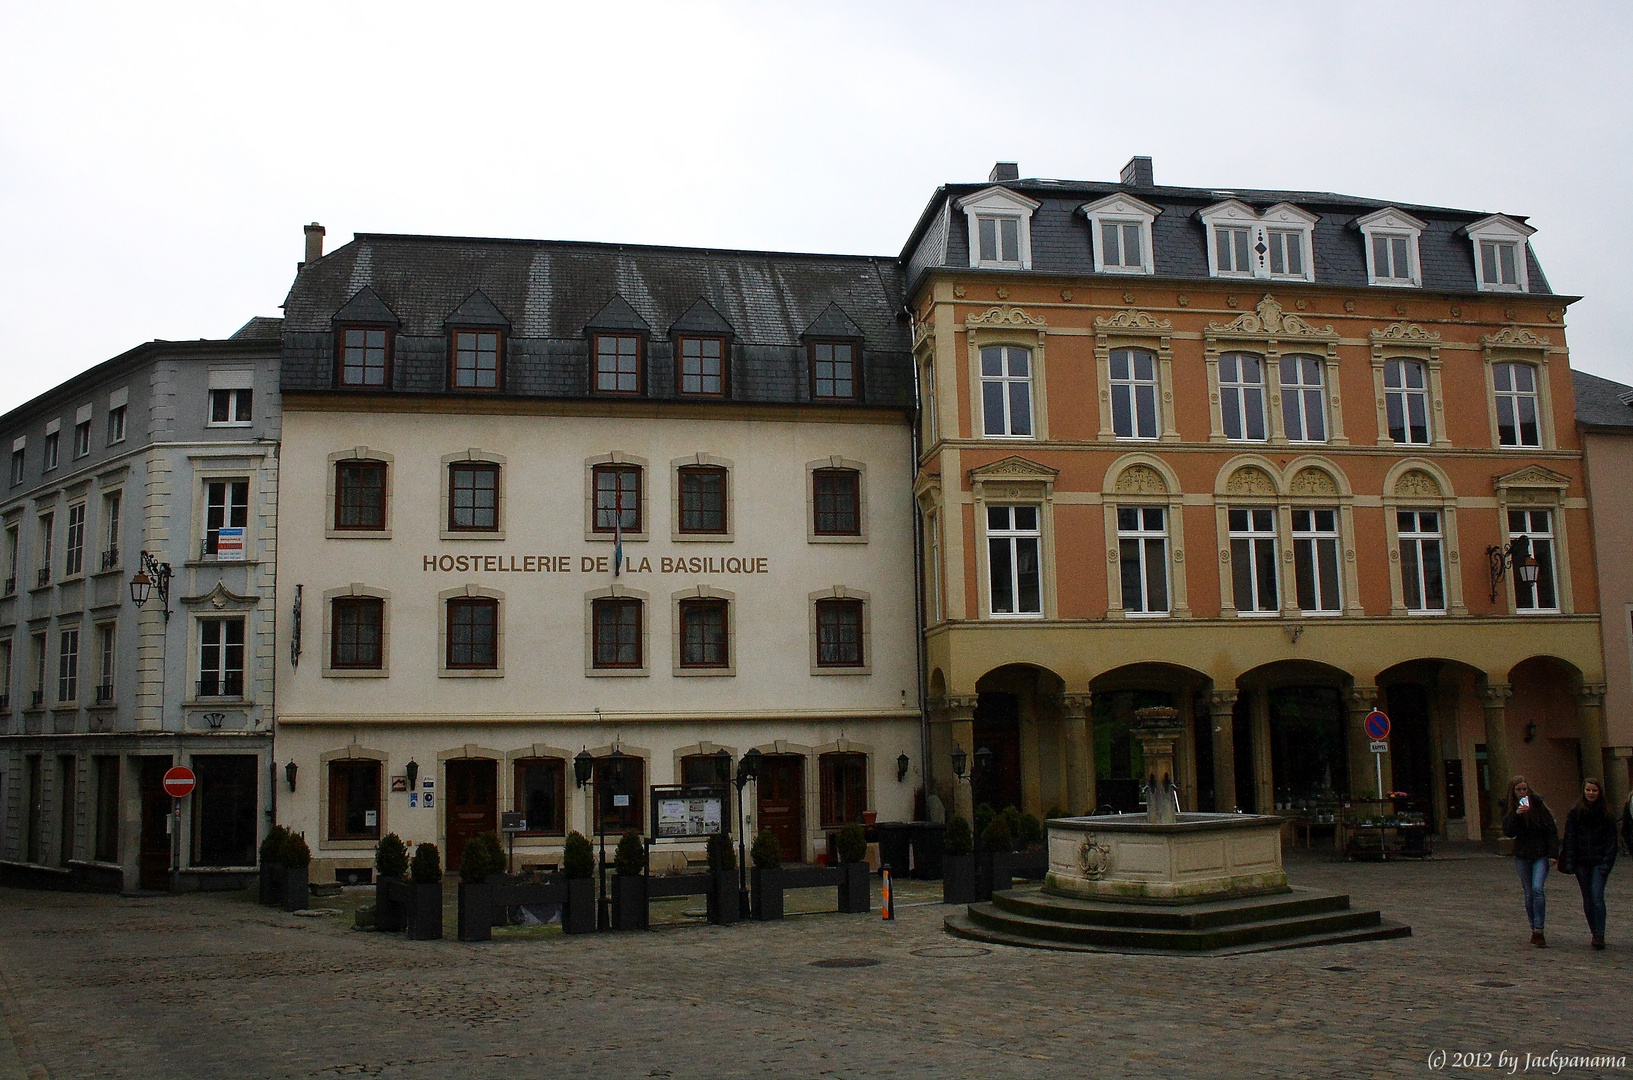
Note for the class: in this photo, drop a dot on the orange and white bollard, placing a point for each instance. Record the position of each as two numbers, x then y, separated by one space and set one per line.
888 908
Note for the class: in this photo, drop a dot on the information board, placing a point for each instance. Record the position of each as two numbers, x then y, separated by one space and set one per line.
685 811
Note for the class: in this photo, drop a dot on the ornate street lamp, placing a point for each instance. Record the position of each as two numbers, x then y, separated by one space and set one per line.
901 767
289 774
151 576
1516 553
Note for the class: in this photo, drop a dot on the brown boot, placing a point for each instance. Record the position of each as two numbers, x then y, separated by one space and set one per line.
1538 940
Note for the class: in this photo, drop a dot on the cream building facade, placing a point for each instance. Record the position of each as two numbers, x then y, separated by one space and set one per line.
549 499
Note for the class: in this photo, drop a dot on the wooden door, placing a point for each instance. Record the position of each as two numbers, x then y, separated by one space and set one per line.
781 794
997 728
472 805
154 864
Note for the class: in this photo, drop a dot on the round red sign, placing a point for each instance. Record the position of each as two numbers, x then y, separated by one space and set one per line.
1377 725
179 781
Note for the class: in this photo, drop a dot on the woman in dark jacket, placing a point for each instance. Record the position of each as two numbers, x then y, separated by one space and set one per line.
1589 852
1536 840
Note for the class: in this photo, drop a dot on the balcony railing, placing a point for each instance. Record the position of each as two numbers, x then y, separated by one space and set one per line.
5 702
104 693
45 575
227 684
11 585
110 558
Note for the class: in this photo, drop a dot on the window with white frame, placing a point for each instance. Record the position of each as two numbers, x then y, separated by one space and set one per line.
110 530
1014 563
1142 541
53 446
1006 392
226 506
1303 399
74 548
1517 415
927 404
1134 394
82 438
1286 252
1390 238
932 564
107 637
1500 245
1120 227
1531 532
1423 581
1233 256
1000 228
232 407
1406 401
221 657
1253 559
68 666
116 424
1241 396
1315 562
1274 243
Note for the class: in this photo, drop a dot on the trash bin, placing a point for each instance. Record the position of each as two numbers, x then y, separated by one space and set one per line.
928 837
895 840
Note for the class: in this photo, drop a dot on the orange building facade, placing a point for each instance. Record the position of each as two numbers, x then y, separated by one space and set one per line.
1273 494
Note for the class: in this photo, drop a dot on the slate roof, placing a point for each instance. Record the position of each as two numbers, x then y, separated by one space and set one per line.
260 328
553 292
1061 240
1602 404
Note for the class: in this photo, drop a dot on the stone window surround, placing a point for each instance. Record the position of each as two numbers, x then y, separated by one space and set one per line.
1014 481
350 752
1397 497
1282 216
474 454
1007 325
471 590
708 460
1390 222
836 462
244 465
221 603
621 592
997 201
1536 488
364 453
359 589
618 457
1513 345
1294 338
1121 209
1408 341
1134 329
1127 483
841 592
1502 229
505 790
703 592
1284 499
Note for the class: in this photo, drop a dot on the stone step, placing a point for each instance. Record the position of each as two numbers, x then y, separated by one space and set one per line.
1193 916
961 926
1242 934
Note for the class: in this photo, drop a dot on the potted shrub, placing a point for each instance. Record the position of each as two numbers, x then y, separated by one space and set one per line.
391 895
484 859
722 900
578 867
629 883
992 869
297 860
957 864
766 855
855 891
272 866
425 907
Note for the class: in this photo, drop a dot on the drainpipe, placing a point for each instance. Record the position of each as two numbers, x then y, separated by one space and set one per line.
915 418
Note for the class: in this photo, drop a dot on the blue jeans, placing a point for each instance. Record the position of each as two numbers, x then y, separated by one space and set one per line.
1591 879
1533 875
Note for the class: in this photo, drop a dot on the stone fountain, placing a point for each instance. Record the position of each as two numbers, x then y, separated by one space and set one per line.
1167 881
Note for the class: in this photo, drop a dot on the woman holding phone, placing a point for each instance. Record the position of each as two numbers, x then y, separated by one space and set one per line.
1589 852
1536 840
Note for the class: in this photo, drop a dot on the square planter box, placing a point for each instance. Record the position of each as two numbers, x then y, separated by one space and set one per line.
722 901
628 902
993 873
391 900
270 891
767 894
958 879
424 911
295 897
475 912
578 913
855 891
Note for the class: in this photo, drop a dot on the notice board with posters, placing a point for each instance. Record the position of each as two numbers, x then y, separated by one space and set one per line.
684 811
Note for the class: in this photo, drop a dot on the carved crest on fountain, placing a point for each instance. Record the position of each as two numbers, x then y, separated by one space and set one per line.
1094 856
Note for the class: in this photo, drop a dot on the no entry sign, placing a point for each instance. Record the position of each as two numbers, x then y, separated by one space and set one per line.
1377 725
179 781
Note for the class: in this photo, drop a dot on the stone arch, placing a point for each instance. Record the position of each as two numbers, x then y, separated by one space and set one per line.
1140 474
1415 478
1250 476
1311 475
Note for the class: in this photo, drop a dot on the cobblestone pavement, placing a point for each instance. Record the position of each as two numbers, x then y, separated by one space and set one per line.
214 986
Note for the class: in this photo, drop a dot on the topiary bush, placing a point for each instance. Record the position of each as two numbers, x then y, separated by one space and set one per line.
577 857
1011 817
721 856
630 857
1029 831
957 840
484 858
1054 812
272 848
296 854
852 843
984 816
996 837
426 869
767 851
391 857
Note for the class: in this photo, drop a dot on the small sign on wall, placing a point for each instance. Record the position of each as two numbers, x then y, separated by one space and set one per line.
229 544
399 783
371 818
428 800
413 800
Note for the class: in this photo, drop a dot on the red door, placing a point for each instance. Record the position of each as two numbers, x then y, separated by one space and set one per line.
472 806
781 793
156 805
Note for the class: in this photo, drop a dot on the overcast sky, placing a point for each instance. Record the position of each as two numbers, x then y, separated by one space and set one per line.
156 165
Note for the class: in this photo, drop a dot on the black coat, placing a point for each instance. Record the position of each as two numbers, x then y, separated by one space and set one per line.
1627 825
1534 832
1590 840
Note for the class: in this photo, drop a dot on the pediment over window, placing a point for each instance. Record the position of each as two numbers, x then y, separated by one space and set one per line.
833 323
1268 320
477 310
702 318
618 315
1515 337
365 306
1533 476
1014 467
221 598
1405 333
1005 315
998 200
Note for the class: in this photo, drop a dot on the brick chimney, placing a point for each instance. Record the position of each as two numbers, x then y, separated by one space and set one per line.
314 242
1137 173
1004 170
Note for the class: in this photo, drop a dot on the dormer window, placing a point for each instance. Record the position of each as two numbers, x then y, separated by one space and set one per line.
1499 254
1000 228
476 359
1275 244
1391 239
364 329
1121 229
617 363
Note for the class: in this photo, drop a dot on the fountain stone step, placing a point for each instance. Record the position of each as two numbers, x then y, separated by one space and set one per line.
1254 932
1288 903
1165 944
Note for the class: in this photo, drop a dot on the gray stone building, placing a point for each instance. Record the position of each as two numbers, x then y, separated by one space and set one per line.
157 467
